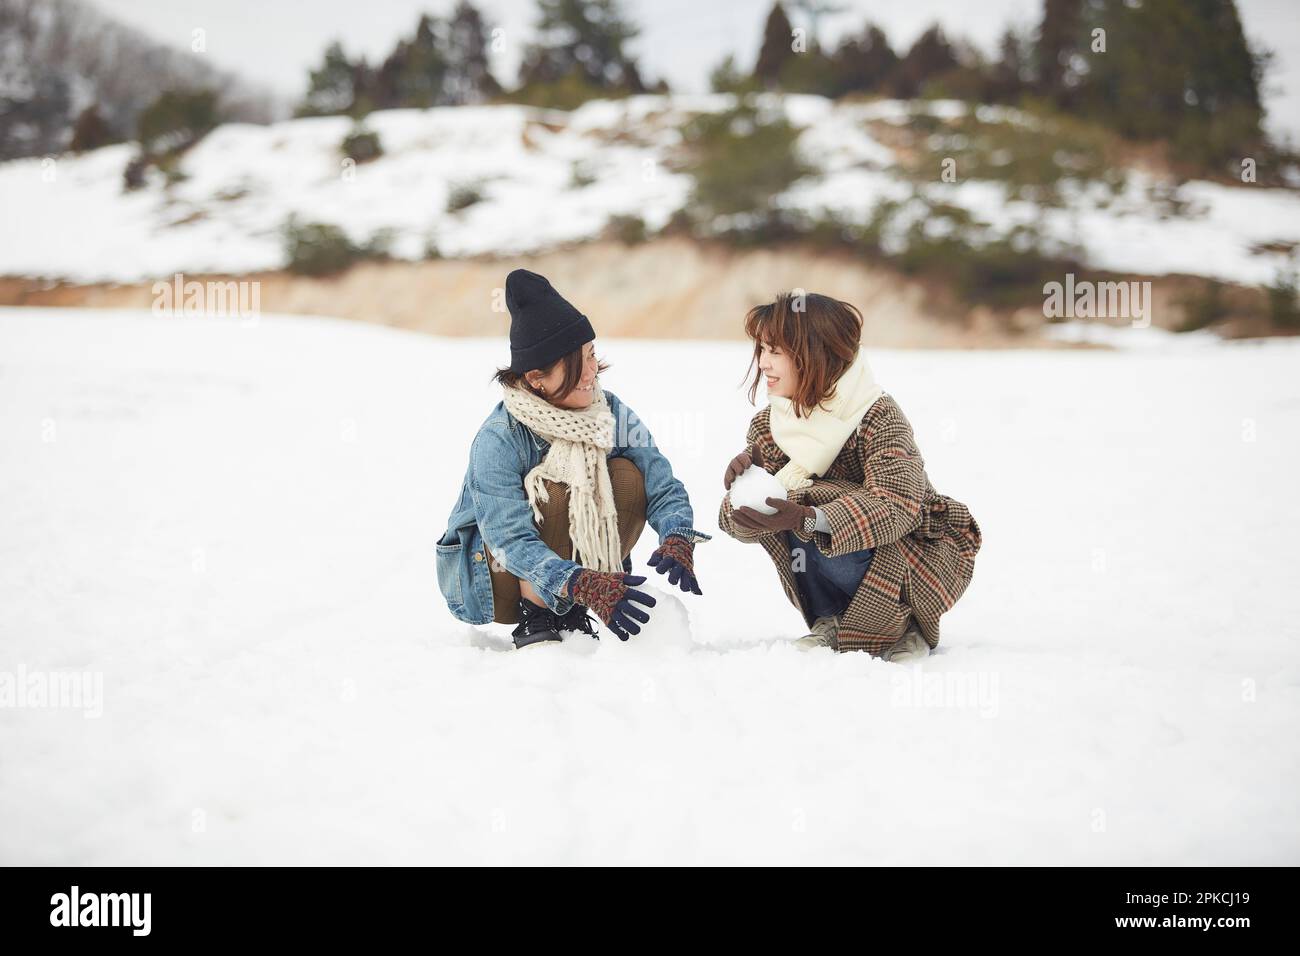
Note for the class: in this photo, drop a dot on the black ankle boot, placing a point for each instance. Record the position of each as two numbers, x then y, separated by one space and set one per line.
536 624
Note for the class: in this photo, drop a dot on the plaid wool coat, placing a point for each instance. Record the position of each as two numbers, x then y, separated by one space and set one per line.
876 495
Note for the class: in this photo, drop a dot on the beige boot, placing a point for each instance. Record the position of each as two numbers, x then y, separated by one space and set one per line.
908 648
824 634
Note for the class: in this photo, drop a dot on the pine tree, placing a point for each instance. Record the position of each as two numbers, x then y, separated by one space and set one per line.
863 63
366 95
1179 70
382 88
777 49
1009 75
1060 38
415 71
584 39
929 58
331 88
468 77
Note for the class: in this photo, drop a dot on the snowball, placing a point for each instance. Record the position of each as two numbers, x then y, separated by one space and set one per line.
753 487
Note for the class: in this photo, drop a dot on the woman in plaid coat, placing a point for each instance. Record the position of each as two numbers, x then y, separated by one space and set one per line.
865 548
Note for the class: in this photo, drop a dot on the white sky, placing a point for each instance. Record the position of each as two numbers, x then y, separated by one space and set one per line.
275 42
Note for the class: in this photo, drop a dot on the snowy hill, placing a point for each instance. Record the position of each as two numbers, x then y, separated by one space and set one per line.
233 526
548 178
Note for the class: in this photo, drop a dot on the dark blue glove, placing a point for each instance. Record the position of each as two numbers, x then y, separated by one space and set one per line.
675 558
610 596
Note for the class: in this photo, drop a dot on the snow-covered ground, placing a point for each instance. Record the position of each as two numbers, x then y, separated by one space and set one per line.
550 177
232 526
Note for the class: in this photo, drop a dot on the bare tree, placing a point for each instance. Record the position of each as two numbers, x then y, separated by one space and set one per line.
60 57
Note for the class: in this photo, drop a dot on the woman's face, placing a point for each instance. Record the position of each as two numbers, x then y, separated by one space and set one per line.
549 382
779 371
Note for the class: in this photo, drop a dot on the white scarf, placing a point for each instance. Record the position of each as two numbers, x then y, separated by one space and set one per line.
579 439
813 443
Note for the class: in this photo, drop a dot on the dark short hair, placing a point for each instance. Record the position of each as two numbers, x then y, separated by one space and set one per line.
572 375
822 336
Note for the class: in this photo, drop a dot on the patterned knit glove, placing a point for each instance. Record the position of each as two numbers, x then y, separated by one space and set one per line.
609 595
675 558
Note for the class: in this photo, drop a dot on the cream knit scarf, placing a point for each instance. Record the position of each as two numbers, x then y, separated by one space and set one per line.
814 442
579 441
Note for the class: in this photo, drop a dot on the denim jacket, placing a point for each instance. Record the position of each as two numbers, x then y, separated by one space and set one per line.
493 507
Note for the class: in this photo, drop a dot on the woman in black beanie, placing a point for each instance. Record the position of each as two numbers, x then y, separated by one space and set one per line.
562 479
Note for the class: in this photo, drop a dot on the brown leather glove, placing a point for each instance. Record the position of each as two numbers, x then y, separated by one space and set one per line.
789 516
750 456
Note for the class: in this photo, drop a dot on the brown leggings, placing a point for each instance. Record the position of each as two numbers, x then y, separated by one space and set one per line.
629 501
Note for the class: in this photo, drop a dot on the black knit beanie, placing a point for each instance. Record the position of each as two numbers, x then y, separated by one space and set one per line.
544 327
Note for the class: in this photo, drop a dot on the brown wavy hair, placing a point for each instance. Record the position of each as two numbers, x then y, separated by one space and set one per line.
822 336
